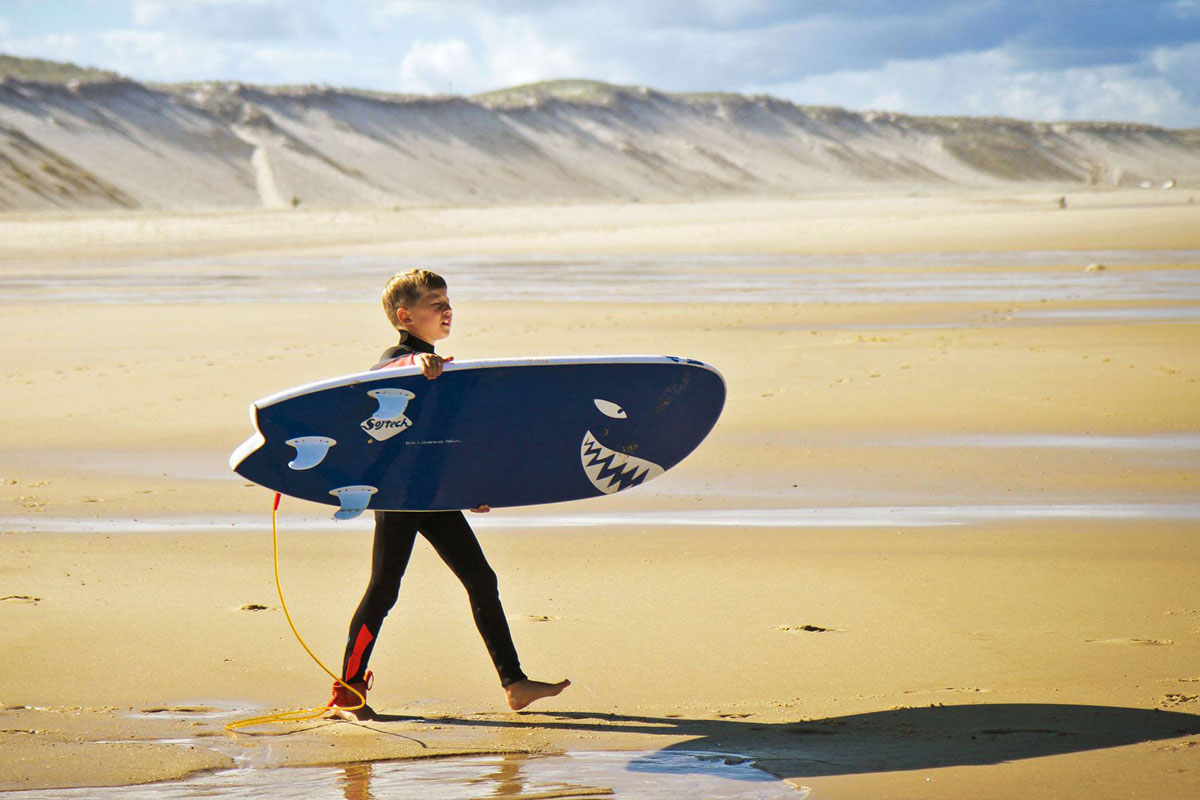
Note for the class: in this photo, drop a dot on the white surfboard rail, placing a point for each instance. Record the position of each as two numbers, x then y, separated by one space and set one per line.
454 366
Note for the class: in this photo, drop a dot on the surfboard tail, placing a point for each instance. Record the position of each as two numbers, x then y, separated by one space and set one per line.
250 446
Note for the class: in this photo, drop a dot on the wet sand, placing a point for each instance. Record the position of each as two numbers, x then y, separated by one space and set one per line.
1050 643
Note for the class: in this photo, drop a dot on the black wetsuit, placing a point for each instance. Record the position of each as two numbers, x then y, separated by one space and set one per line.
451 536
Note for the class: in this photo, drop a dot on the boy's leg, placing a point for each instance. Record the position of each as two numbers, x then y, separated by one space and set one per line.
453 539
395 533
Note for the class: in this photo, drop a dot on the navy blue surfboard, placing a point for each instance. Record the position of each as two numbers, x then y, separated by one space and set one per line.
500 433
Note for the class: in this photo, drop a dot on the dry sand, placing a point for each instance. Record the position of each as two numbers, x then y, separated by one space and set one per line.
1054 656
839 223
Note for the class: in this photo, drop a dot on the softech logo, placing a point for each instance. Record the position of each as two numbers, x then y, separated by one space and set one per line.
389 419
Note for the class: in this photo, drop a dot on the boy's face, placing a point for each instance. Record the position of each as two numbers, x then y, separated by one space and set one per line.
429 317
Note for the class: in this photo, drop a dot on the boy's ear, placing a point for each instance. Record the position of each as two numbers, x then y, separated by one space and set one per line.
402 315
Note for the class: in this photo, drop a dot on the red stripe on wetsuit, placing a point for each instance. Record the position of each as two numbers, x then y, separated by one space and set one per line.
364 638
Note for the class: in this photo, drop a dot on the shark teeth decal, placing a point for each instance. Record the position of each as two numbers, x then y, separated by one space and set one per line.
610 471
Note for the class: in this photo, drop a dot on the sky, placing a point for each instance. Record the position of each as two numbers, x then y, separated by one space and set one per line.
1126 60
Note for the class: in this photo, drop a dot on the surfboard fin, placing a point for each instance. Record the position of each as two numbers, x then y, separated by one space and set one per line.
354 500
392 403
310 450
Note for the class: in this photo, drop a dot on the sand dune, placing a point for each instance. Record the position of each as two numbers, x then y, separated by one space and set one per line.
114 143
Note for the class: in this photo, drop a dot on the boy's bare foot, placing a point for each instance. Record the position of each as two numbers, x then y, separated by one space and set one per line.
349 700
364 714
522 693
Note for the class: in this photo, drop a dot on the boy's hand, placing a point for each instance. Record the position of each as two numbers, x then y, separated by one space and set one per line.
431 364
481 510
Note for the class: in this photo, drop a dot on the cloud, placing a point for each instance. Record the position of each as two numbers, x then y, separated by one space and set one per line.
149 12
1181 67
160 55
496 52
53 46
996 83
516 52
233 20
168 56
1124 59
439 67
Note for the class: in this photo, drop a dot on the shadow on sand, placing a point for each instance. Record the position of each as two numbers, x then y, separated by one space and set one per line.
882 741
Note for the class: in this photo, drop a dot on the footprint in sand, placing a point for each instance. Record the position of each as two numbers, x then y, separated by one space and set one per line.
20 598
253 607
1180 746
806 629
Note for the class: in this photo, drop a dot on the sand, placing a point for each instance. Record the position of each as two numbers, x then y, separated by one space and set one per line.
1046 642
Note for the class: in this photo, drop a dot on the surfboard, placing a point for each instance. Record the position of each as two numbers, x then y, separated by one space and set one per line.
507 432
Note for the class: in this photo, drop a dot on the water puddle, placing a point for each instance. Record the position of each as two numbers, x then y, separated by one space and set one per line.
644 776
1151 314
798 278
1184 441
861 516
809 517
175 465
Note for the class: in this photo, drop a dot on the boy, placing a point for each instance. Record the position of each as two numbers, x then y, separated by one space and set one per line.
417 305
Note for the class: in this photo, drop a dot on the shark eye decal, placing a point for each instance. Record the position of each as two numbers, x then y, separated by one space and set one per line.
609 409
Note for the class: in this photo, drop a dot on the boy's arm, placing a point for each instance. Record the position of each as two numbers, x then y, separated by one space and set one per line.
430 363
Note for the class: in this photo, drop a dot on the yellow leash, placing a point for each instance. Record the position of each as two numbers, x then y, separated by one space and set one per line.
298 714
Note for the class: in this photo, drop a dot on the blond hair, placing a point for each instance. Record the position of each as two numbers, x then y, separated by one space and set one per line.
405 288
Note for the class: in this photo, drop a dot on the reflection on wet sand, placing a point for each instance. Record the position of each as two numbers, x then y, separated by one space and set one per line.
898 740
356 782
507 780
637 775
579 776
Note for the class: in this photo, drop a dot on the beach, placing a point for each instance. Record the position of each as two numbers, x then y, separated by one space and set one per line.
942 543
